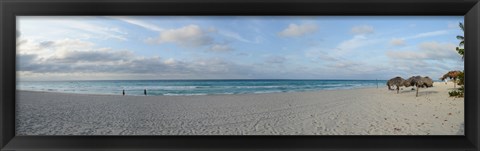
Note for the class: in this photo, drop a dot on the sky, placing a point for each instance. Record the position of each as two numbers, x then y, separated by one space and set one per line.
235 47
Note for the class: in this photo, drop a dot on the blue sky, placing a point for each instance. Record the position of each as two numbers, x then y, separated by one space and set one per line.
236 47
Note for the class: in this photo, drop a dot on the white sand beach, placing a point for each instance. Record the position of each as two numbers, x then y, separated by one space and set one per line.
366 111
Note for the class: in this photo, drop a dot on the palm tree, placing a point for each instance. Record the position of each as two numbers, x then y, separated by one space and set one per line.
461 51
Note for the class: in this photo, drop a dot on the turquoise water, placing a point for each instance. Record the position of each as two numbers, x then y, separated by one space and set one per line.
194 87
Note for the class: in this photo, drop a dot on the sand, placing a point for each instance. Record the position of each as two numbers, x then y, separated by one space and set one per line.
366 111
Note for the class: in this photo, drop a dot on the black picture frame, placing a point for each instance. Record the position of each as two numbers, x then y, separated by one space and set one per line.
11 8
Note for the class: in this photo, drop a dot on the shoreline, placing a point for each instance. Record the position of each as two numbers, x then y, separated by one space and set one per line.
63 92
199 87
361 111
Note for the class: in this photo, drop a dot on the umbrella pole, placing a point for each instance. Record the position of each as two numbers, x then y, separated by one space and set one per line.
417 91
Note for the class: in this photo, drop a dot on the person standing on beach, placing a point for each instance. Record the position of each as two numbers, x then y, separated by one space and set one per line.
145 92
123 91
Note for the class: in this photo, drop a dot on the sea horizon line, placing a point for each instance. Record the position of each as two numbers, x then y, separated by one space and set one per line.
204 80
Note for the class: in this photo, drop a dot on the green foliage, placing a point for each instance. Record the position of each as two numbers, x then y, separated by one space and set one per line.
456 93
461 78
460 24
461 81
461 51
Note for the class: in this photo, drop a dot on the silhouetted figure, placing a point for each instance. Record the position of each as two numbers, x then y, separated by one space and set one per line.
123 92
145 92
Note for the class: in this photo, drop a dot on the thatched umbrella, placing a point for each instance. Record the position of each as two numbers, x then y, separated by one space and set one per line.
397 81
418 82
452 75
428 82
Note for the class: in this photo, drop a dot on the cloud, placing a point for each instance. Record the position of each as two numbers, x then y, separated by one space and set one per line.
96 30
428 34
356 42
362 29
329 60
46 49
453 25
90 56
140 23
194 36
187 36
67 55
51 28
427 51
237 36
317 54
401 41
397 42
221 48
73 63
243 54
276 59
428 59
46 44
294 30
349 46
439 51
170 61
344 65
25 60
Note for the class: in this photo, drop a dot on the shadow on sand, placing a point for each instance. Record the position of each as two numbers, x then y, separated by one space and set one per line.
420 92
453 88
407 91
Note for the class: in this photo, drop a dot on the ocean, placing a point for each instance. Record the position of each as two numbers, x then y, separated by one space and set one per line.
193 87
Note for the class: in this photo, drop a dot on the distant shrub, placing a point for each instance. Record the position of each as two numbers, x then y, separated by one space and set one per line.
461 78
456 93
461 81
